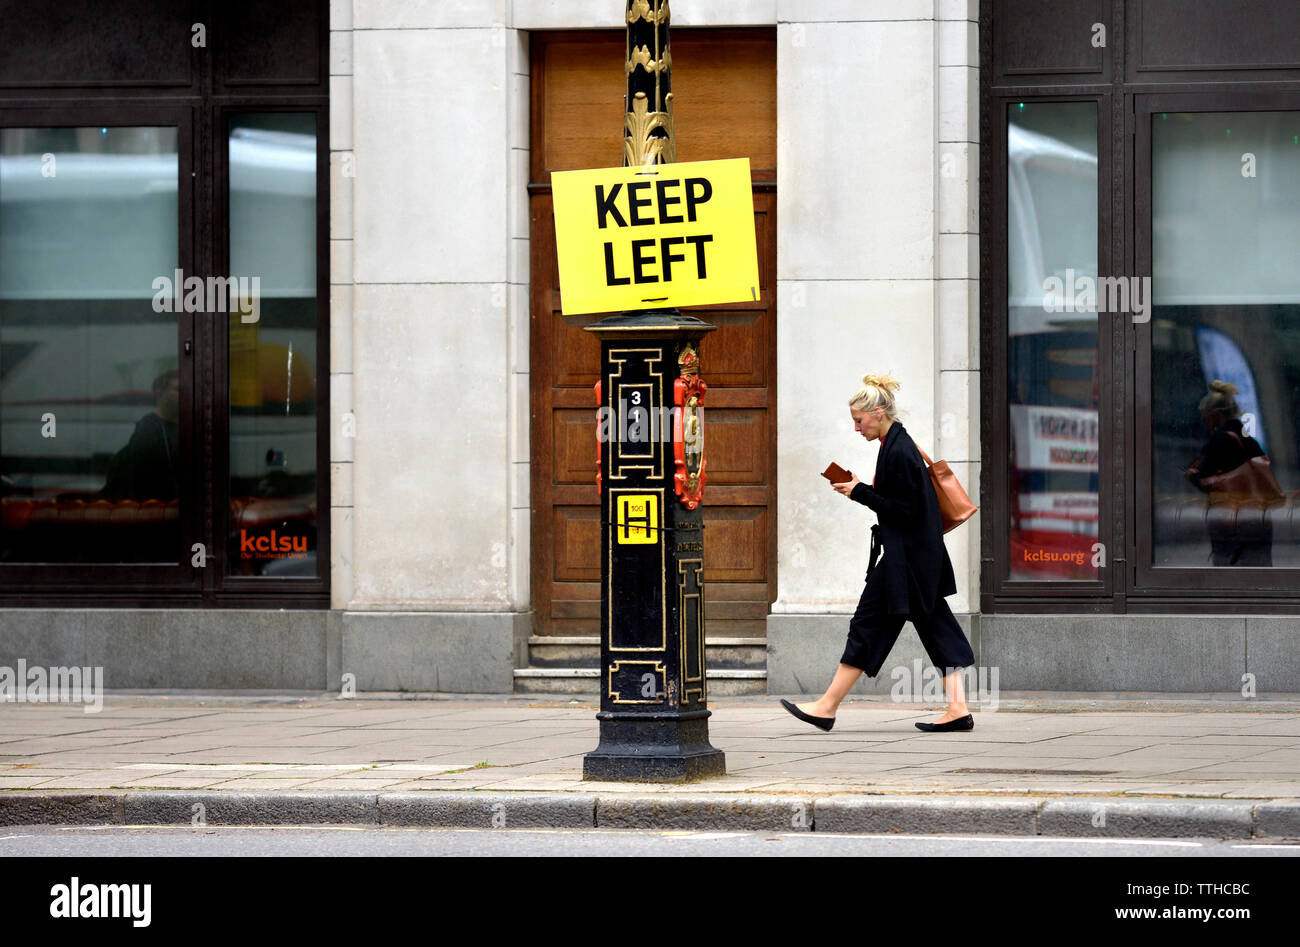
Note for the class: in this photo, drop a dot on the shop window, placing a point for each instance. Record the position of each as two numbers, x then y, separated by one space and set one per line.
164 305
1225 365
1140 309
91 448
273 355
1052 394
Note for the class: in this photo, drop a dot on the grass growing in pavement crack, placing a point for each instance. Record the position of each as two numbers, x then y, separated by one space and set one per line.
484 764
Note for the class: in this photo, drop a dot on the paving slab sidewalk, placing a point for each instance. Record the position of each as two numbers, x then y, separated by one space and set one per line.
1117 764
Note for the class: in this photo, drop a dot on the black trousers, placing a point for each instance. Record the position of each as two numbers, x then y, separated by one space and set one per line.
873 631
1243 546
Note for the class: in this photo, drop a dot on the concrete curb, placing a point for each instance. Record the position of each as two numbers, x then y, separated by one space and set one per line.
180 807
486 810
714 811
1150 818
61 808
843 813
875 815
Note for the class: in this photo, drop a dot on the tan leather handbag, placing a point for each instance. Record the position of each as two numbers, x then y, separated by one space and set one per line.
1250 484
954 505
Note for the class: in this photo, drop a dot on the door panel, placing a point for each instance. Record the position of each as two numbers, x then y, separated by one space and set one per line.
724 98
725 106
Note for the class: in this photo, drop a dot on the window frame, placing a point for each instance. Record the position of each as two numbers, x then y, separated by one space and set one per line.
202 101
32 583
238 590
1160 584
1120 81
997 584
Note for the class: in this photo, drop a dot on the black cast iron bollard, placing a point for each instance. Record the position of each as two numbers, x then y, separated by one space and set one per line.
653 705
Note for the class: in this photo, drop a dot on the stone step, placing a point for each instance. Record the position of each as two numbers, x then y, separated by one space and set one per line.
722 682
583 651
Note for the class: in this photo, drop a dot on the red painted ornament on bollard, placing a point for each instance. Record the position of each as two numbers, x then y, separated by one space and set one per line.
688 429
599 458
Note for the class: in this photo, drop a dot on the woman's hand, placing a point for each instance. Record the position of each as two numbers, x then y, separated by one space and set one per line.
845 488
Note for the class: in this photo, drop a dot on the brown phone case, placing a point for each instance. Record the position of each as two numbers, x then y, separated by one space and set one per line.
837 474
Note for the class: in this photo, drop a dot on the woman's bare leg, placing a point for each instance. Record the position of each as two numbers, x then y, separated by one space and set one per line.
825 706
955 689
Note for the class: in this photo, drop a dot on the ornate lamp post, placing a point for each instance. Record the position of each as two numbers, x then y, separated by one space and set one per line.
653 710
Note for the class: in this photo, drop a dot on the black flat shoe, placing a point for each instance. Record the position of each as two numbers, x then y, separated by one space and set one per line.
961 723
824 723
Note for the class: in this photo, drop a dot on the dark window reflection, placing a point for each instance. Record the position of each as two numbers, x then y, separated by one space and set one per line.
90 427
1225 338
273 350
1052 340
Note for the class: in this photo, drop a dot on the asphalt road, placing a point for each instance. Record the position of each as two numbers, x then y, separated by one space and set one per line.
91 842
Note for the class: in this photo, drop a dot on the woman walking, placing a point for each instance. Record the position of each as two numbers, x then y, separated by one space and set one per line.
911 579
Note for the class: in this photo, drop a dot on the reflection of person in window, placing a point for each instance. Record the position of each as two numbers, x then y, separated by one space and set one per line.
1234 540
145 469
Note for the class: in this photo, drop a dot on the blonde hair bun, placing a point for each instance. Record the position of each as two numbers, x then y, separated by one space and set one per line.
876 391
1222 397
884 382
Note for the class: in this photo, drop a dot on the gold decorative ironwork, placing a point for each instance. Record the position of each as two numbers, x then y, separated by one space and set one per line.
697 566
607 596
643 10
694 446
670 149
616 697
624 457
688 362
643 57
640 147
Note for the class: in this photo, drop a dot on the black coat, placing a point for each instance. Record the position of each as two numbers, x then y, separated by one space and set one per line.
916 570
1224 452
145 469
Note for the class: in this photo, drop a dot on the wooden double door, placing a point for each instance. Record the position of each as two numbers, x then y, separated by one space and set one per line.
724 85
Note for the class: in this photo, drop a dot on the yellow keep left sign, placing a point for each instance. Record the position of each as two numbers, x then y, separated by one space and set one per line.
662 236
